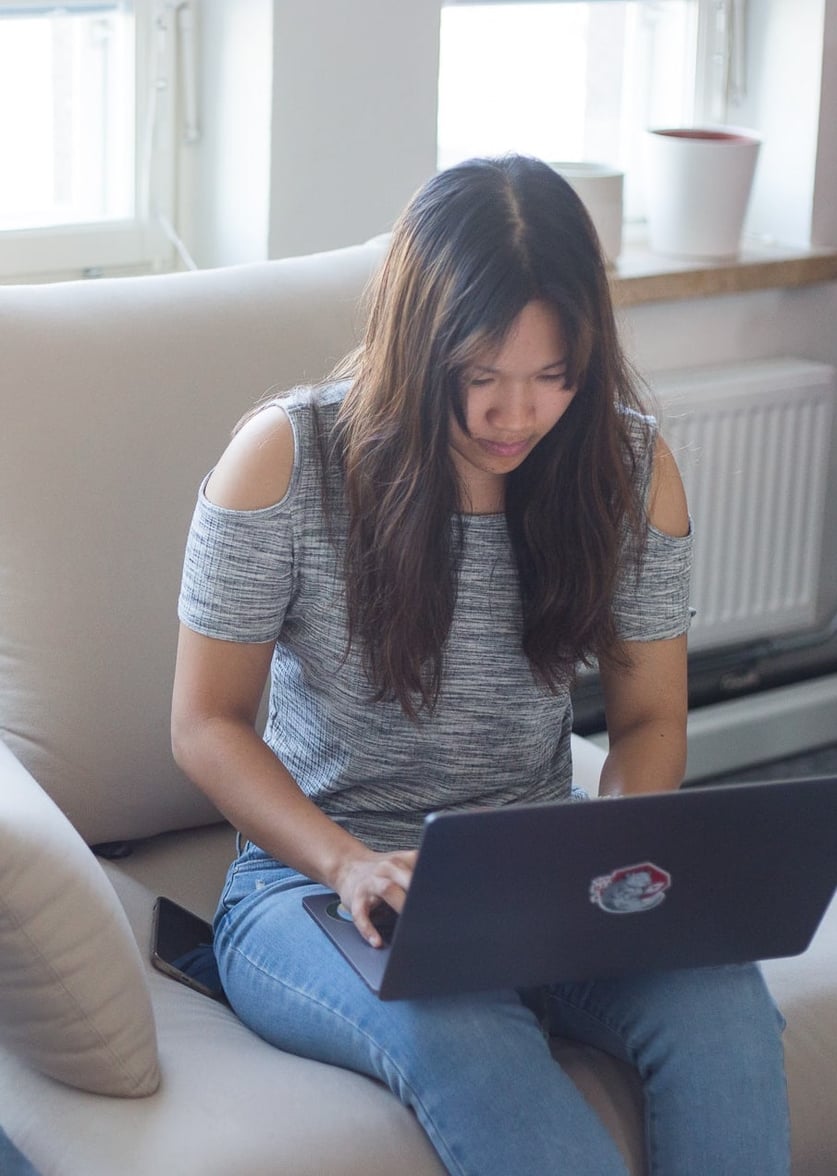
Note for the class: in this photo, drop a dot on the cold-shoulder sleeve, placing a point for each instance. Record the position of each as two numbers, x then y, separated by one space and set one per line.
651 601
238 572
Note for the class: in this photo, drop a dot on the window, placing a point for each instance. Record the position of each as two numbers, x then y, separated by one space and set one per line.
578 81
87 94
73 75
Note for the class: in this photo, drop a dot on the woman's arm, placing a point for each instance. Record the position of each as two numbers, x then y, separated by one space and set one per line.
218 687
646 704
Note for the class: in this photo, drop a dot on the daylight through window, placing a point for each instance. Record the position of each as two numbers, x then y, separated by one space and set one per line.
66 115
567 81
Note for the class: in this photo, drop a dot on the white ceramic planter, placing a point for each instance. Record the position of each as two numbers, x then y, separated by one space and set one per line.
698 183
600 188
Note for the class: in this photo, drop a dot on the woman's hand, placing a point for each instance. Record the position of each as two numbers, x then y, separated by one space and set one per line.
368 881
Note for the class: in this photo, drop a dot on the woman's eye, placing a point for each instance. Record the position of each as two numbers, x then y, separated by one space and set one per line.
555 377
480 381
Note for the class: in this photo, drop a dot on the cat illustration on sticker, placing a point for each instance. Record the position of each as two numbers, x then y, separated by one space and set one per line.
630 889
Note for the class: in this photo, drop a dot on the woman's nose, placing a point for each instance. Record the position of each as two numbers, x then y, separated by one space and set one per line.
514 408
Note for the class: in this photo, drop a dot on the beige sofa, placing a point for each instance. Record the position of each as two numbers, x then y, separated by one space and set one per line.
116 396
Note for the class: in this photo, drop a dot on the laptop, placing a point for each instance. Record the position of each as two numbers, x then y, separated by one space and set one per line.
532 894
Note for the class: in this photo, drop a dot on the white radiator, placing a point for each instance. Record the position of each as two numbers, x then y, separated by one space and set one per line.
753 445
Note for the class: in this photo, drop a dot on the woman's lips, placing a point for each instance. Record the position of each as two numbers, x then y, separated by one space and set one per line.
504 448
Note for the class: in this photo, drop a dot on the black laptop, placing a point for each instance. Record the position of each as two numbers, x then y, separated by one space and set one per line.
525 895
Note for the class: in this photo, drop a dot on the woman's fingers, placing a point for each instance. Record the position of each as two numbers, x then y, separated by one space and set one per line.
384 878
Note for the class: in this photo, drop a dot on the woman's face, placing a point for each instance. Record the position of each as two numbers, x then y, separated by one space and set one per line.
511 397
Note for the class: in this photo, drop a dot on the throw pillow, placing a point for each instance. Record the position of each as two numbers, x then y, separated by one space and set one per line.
74 1002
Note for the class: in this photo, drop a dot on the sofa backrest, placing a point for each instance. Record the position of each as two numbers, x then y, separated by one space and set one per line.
117 396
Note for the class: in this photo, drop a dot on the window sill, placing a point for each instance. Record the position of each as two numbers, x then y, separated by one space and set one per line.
67 252
641 276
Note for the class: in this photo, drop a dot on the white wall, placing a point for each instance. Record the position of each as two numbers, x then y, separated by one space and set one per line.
224 196
318 121
785 82
824 217
724 329
354 117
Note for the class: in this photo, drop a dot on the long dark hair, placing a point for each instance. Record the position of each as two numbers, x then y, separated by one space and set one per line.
476 244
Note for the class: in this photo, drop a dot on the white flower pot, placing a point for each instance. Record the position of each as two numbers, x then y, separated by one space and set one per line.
698 183
599 187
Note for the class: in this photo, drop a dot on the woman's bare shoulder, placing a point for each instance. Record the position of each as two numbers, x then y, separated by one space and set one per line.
255 469
667 507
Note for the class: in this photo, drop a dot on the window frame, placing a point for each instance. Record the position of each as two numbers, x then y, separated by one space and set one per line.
136 244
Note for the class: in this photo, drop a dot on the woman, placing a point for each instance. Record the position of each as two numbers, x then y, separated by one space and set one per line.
419 554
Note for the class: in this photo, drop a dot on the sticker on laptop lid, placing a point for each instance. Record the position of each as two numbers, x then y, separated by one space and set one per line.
630 889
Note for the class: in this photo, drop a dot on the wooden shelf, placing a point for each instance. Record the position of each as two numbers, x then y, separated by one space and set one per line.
641 276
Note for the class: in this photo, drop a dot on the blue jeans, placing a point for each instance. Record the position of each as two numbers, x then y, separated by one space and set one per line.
13 1162
477 1069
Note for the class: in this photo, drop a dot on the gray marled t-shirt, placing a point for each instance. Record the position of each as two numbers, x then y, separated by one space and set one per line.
496 737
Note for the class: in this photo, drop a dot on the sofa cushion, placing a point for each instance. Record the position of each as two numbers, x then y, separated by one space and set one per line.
74 1001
